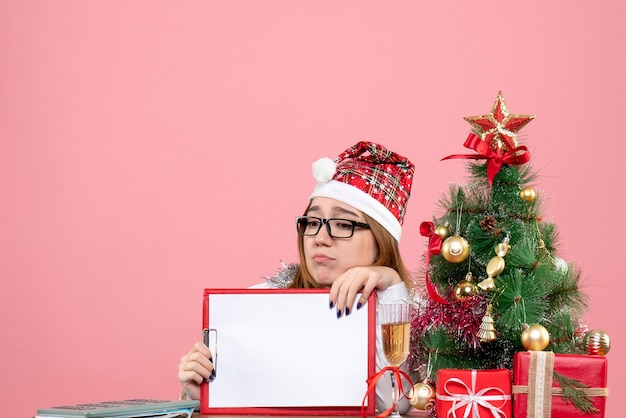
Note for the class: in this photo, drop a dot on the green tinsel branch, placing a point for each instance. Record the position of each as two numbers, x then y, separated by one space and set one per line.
567 291
573 392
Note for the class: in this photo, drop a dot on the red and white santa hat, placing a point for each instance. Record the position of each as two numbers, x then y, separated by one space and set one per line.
369 178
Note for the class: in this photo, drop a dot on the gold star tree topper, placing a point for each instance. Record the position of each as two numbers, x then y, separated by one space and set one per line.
499 128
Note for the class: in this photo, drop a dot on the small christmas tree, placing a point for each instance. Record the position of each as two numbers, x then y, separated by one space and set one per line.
493 282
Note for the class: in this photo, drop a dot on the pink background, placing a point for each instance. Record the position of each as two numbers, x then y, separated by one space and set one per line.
150 149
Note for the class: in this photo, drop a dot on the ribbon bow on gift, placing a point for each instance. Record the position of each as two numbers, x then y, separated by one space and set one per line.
497 159
473 400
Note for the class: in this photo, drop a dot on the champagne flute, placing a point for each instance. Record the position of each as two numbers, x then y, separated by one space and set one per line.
395 319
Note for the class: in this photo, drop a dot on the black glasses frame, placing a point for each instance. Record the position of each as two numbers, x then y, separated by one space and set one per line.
302 221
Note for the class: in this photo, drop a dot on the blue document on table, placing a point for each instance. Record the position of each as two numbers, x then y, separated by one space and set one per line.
128 408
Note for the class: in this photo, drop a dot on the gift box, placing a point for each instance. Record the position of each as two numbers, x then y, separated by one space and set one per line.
474 393
538 394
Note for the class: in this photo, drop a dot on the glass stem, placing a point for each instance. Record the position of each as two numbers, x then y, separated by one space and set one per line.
394 394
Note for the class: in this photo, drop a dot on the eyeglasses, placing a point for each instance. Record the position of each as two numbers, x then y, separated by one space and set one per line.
336 227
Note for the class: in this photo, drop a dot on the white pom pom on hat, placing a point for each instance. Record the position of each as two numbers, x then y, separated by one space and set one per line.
324 170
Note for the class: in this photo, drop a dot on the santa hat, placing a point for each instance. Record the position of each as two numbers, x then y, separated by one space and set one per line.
377 183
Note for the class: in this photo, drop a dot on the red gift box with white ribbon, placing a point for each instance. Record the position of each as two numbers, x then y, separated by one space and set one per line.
474 393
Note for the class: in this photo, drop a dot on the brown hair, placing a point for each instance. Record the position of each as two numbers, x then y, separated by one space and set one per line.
388 256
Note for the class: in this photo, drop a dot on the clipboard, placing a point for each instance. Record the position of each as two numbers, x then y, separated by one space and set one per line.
284 352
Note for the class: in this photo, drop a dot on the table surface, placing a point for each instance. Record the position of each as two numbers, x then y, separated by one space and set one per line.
413 414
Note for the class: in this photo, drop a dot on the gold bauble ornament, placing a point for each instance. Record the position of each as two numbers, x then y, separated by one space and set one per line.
422 396
527 194
442 231
466 288
535 337
455 249
597 342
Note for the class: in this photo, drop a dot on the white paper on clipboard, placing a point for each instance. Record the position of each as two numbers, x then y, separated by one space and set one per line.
275 348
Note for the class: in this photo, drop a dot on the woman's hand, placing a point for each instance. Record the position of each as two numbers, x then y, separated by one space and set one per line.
195 367
364 279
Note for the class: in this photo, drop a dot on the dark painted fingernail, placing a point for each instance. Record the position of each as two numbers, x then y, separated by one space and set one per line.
347 311
212 377
331 304
338 313
359 306
211 359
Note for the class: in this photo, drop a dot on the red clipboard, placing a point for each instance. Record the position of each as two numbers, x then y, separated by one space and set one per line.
285 352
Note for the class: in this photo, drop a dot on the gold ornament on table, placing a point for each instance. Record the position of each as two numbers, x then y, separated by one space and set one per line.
597 342
535 337
496 265
527 194
486 331
499 128
422 396
466 288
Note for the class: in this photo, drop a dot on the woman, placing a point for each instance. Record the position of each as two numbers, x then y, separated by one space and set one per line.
348 241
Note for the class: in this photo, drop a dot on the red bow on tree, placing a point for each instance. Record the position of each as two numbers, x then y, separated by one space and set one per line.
496 158
427 229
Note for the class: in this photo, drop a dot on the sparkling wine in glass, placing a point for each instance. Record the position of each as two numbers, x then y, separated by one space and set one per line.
396 342
396 329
